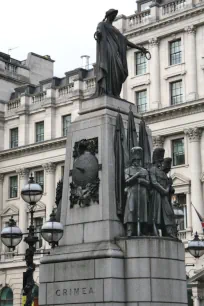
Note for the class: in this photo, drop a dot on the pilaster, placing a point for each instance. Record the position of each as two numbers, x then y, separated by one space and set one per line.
190 50
194 136
49 130
50 187
154 74
23 220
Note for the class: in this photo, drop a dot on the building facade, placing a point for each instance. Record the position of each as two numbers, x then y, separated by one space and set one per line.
168 91
34 119
36 110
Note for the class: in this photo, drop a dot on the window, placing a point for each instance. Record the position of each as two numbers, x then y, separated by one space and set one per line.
176 92
181 198
141 101
13 186
40 131
14 138
38 222
66 123
39 178
175 52
6 298
178 152
141 63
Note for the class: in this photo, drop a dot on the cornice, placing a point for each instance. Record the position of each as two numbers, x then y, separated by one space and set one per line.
171 112
33 148
164 22
7 77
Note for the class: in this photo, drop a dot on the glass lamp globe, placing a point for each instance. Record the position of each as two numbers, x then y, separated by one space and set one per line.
196 247
11 235
32 192
52 231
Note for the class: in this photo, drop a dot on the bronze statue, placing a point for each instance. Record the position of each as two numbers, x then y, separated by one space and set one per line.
137 183
111 62
166 167
161 212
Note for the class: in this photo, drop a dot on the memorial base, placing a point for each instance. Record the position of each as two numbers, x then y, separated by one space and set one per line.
142 271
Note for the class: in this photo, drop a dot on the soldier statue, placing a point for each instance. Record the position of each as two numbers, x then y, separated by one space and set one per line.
161 211
137 184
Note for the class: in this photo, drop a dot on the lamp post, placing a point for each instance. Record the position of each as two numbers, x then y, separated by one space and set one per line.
11 236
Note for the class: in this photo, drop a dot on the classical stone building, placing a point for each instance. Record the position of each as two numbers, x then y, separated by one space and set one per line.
36 110
35 113
168 90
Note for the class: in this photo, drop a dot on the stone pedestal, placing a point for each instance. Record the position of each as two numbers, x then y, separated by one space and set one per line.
94 266
143 271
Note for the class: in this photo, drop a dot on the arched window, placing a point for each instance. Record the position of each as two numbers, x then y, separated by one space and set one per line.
35 294
6 297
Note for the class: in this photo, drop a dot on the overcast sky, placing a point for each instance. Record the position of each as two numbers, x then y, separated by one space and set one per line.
62 29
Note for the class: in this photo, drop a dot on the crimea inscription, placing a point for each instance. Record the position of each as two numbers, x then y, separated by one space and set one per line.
85 291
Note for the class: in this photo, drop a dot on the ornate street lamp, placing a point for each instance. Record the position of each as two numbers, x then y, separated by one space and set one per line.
196 246
32 192
11 235
52 231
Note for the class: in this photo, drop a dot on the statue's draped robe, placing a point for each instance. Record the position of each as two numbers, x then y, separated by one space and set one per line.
111 63
121 160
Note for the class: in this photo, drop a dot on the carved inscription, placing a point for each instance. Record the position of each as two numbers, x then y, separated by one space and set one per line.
81 291
74 291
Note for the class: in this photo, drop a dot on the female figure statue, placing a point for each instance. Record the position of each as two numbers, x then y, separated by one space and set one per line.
111 62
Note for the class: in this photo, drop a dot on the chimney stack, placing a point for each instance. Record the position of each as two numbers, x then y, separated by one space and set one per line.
85 61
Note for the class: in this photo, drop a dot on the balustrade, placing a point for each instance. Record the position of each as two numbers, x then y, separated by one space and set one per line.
173 7
39 97
66 89
139 18
13 104
90 83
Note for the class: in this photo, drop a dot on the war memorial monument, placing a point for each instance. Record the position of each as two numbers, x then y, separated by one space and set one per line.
120 243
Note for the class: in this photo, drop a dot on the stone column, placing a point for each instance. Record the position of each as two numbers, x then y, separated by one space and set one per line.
190 50
50 187
23 206
194 135
158 141
155 74
1 201
189 210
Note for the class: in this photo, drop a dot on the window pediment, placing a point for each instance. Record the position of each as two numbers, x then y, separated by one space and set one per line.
10 210
180 180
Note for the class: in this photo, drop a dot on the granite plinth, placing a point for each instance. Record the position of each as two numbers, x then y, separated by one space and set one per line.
135 271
